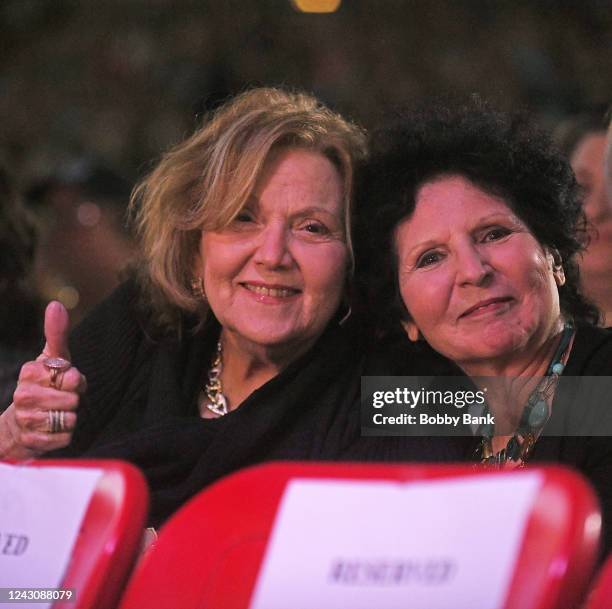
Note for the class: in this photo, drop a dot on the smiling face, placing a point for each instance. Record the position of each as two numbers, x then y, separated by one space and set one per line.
275 276
475 281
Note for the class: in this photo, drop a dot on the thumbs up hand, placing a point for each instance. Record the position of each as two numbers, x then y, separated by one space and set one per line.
43 414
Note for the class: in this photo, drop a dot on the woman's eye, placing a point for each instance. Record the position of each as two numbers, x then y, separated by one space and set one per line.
428 259
244 216
315 228
496 233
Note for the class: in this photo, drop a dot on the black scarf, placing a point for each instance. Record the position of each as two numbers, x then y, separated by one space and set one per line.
141 405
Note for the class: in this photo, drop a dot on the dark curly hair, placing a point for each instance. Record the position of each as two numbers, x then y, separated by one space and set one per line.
504 154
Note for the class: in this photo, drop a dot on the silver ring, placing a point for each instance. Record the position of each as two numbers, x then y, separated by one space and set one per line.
56 367
57 421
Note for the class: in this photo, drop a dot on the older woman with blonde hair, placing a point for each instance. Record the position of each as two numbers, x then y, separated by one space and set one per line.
225 346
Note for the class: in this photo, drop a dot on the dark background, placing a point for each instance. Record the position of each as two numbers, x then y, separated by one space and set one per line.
122 80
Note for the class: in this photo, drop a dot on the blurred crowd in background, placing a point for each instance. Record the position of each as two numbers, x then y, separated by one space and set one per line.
93 91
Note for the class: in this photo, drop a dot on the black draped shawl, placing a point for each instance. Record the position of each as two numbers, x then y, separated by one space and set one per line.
141 404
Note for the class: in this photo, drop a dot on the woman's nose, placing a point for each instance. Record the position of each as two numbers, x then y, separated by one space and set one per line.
472 266
273 247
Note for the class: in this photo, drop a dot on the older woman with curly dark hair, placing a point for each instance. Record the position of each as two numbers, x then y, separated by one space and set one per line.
475 226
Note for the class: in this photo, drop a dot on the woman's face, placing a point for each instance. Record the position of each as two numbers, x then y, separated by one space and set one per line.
275 276
476 282
588 162
608 163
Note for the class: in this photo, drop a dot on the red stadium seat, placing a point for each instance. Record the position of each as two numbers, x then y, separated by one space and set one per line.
209 554
110 536
600 596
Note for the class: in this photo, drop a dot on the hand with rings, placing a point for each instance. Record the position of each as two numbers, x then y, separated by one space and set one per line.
43 414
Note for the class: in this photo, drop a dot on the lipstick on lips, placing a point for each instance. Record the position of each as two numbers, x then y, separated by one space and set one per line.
486 306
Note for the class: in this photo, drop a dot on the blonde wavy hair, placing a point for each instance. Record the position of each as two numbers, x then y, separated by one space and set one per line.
206 180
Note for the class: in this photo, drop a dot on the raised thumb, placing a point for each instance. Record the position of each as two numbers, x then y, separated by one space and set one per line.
57 324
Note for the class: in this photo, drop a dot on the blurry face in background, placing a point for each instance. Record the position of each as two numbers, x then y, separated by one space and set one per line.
588 162
608 164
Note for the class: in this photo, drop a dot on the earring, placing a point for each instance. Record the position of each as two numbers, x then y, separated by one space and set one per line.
413 333
197 288
557 267
559 275
345 316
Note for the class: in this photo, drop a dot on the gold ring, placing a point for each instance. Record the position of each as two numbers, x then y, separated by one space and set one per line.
56 367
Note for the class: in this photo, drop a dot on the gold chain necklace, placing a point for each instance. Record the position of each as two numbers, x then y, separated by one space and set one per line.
215 401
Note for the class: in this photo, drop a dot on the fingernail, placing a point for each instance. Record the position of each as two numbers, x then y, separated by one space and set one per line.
55 305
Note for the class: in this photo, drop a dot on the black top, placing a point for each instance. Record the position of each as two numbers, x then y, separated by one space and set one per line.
141 406
591 355
572 412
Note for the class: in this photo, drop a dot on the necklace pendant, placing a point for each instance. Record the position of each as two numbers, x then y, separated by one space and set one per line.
215 401
538 414
219 406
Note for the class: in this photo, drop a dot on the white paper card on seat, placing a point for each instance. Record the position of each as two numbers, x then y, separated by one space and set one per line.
363 544
41 510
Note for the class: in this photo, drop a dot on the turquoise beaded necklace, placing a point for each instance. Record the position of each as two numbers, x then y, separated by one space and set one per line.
534 417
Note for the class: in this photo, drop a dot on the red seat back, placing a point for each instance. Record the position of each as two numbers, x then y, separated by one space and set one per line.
209 554
600 596
110 536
